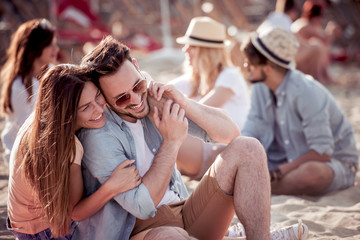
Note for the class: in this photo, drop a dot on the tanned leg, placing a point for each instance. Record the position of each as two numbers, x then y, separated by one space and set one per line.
241 170
163 233
190 156
310 178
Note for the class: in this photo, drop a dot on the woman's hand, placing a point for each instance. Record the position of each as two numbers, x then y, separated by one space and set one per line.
124 177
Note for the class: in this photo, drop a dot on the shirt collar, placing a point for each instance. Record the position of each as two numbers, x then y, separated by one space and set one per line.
118 120
280 91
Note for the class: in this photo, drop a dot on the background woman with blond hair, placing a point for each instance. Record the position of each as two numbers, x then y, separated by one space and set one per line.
45 181
32 47
212 80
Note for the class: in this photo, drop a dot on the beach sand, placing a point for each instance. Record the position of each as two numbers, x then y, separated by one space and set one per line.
333 216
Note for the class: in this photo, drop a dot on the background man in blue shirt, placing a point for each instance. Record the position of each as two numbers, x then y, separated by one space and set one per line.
309 143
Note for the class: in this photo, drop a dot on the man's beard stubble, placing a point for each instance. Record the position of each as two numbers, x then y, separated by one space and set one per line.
259 80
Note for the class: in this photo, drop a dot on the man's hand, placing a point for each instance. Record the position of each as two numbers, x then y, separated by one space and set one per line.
214 121
275 174
172 125
160 90
155 103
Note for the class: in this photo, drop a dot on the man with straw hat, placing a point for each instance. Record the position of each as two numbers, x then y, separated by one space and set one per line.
309 143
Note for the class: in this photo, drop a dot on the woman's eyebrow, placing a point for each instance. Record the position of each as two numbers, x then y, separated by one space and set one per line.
84 105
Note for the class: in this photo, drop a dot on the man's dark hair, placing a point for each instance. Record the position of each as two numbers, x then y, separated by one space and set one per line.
253 55
289 5
105 59
311 10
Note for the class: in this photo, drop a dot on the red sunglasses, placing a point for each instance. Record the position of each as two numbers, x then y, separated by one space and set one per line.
140 87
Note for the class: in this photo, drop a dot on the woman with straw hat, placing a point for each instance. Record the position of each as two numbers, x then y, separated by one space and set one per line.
211 79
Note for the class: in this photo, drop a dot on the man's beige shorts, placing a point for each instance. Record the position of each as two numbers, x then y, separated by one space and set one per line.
206 214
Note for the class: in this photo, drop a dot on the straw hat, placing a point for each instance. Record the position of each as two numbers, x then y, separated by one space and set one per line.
277 45
205 32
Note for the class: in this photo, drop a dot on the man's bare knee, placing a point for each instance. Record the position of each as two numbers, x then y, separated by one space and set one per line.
244 149
243 155
167 232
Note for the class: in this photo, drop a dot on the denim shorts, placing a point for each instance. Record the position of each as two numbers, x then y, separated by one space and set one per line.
43 235
344 175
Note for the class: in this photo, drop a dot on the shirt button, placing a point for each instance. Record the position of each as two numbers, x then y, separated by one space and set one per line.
154 149
286 142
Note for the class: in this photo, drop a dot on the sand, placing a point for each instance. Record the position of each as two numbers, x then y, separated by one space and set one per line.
333 216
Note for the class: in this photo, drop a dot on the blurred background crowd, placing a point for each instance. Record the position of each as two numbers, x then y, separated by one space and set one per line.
148 26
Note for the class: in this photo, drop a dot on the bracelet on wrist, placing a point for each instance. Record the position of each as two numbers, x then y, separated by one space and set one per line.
275 174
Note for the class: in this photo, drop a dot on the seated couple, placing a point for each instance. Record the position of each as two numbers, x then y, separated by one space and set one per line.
127 151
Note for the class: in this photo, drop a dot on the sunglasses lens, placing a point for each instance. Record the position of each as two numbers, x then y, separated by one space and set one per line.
123 100
140 87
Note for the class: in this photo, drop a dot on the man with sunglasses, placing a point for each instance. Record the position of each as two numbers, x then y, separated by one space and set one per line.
161 205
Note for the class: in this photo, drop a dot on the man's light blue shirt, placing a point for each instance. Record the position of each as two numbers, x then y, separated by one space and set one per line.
308 117
104 150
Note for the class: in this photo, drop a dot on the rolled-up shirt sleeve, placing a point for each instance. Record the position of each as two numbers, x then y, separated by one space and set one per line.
144 207
103 153
196 131
313 107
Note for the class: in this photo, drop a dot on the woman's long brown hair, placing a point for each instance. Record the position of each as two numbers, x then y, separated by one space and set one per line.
27 44
48 145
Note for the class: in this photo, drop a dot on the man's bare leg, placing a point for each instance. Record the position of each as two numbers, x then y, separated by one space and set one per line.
163 233
310 178
190 160
190 157
241 170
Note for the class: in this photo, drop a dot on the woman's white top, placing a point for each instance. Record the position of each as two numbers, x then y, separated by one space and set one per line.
21 111
238 106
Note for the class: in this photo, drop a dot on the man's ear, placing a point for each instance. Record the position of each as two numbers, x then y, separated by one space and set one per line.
135 64
268 67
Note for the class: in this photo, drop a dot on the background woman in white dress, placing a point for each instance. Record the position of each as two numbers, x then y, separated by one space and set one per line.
212 80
